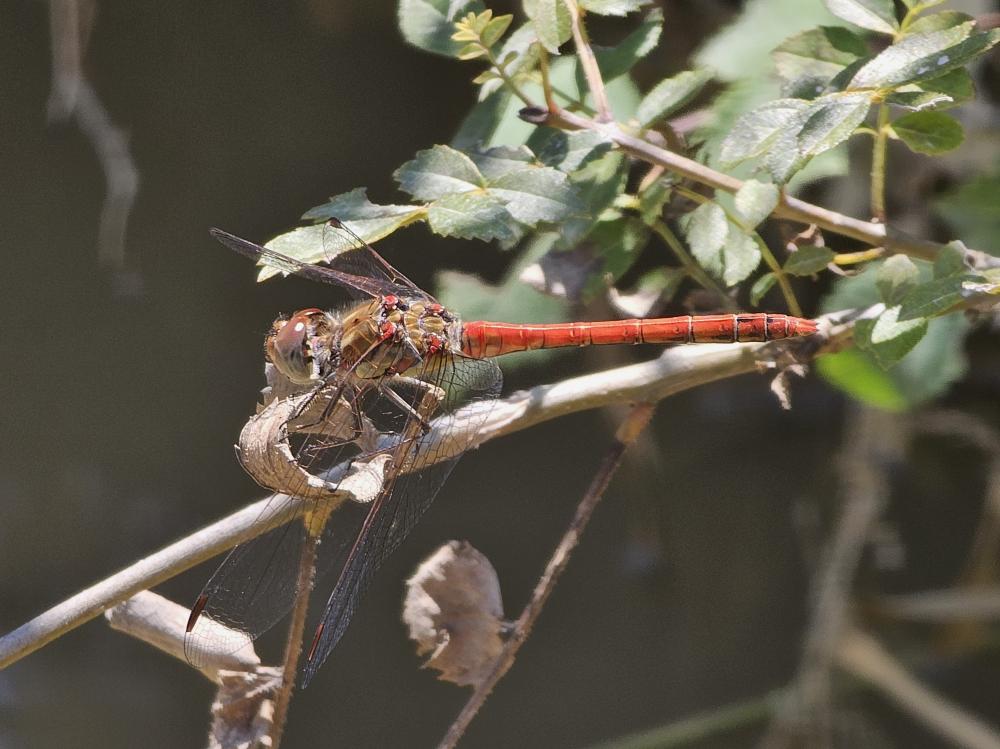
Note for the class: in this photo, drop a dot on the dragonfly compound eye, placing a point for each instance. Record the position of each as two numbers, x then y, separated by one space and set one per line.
299 346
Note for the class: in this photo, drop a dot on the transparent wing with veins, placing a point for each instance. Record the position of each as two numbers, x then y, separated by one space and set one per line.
255 585
358 269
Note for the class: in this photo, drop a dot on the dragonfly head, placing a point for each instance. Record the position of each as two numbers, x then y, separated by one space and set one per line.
304 347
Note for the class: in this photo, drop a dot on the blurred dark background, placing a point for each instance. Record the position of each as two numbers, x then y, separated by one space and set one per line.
123 391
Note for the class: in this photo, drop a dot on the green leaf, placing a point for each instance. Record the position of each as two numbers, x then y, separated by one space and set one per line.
925 373
652 200
921 57
471 51
895 278
757 130
470 215
437 172
612 7
951 259
808 260
856 373
919 6
494 163
671 94
482 121
929 132
495 29
938 21
568 151
518 53
706 229
876 15
888 338
830 120
724 250
973 210
621 58
429 24
918 101
818 54
755 201
934 297
956 83
536 194
619 242
760 287
551 21
316 244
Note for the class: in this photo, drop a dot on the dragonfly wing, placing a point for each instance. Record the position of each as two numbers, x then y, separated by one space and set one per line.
255 586
286 264
406 496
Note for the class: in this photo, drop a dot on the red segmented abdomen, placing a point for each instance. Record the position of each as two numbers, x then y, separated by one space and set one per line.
481 339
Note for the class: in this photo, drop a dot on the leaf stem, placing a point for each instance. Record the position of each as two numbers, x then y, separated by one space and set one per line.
878 163
853 258
588 62
695 271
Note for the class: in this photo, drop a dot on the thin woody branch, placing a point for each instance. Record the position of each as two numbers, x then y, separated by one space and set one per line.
789 207
676 370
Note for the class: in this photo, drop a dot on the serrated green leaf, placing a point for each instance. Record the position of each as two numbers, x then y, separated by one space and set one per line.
875 15
612 7
888 338
724 250
495 162
470 215
619 243
482 121
760 287
830 120
486 75
471 51
437 172
755 131
934 297
371 222
808 260
518 53
755 201
652 200
599 182
429 24
919 6
496 29
951 259
551 21
536 194
921 57
671 94
706 229
918 101
740 256
956 83
938 21
895 278
926 372
856 373
568 151
618 60
818 54
929 132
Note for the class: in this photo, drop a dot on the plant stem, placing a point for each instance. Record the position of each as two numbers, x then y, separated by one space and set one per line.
878 163
296 629
588 62
853 258
695 271
628 431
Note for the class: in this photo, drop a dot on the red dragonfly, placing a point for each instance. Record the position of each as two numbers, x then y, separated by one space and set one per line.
399 364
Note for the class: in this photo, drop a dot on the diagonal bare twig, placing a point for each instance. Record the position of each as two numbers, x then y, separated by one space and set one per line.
628 431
